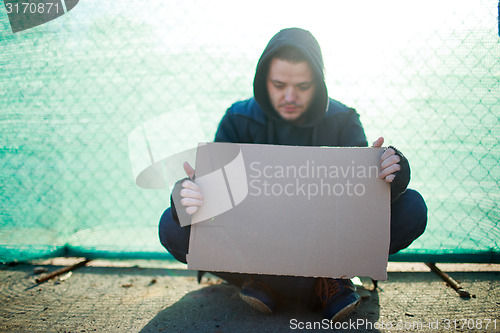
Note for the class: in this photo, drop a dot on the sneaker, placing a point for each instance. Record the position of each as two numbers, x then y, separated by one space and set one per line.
259 296
338 297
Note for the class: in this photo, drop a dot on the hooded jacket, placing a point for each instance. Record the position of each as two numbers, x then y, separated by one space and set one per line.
327 122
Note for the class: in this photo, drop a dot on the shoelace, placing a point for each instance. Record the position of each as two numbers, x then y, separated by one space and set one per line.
327 288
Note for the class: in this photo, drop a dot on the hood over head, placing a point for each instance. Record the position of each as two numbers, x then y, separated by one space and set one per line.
305 42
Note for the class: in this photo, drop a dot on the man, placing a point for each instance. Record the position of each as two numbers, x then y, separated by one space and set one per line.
291 107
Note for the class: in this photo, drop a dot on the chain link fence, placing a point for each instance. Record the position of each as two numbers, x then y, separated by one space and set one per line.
426 77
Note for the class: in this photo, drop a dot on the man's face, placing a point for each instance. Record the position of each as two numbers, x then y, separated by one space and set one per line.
290 87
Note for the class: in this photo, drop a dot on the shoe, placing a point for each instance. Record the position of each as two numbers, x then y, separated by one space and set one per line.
338 297
259 296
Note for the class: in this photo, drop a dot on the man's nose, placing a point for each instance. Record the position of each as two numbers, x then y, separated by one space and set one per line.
290 95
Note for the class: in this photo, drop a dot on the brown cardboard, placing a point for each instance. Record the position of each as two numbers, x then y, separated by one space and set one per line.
304 211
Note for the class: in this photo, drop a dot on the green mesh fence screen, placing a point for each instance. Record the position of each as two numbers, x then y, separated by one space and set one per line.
425 76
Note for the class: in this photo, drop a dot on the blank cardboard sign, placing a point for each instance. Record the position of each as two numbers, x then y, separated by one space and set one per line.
303 211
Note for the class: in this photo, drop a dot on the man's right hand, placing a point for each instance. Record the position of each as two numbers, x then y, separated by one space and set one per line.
192 198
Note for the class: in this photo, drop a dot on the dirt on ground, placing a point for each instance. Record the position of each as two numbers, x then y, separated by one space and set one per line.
153 296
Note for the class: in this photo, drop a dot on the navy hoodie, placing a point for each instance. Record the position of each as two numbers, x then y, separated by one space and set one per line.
326 123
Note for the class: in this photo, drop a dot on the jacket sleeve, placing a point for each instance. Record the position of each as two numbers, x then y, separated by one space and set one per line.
175 217
175 191
227 130
352 133
402 179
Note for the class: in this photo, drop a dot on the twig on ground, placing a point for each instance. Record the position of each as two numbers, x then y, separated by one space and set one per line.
449 280
62 271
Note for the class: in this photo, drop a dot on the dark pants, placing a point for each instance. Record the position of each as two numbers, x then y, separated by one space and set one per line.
408 221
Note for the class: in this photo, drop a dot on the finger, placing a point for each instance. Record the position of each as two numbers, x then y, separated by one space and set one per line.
391 160
191 202
390 170
189 170
187 193
388 152
191 210
390 178
378 143
191 185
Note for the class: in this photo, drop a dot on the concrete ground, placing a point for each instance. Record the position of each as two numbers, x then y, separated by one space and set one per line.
159 296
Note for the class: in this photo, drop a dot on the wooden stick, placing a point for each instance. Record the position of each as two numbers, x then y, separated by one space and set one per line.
61 271
449 280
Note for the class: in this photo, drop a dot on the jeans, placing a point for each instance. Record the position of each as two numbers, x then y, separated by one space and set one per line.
408 222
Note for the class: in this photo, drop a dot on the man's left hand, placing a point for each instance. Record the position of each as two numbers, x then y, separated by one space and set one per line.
389 162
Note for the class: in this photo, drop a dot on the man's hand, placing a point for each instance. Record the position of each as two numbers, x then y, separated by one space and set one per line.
192 198
388 162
